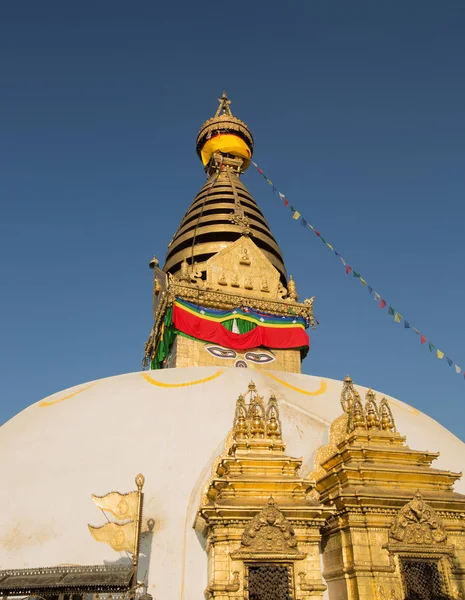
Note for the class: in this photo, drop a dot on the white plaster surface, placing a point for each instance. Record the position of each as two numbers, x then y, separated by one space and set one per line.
59 451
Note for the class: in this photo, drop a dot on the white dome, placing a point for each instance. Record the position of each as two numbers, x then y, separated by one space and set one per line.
169 425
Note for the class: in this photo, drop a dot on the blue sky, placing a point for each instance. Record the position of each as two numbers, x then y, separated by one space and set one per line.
357 109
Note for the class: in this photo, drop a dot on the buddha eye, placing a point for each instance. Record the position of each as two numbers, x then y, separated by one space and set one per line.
259 357
220 352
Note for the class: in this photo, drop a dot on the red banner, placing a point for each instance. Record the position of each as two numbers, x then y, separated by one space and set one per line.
211 331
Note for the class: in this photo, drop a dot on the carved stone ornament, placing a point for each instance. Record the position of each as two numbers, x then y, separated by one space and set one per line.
269 531
418 523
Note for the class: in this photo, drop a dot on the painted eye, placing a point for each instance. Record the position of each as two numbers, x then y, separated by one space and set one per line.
220 352
259 357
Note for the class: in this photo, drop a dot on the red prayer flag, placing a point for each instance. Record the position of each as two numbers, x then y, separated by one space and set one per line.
286 202
259 170
318 233
382 304
422 339
348 269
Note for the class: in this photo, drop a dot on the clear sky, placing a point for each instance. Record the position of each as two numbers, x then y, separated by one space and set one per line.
357 109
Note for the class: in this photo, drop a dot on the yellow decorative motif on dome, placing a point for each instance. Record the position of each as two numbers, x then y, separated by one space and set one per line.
45 403
149 379
318 392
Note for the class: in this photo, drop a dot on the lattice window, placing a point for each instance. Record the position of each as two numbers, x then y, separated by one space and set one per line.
269 582
422 580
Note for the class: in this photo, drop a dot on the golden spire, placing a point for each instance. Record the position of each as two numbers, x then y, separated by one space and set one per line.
223 210
223 108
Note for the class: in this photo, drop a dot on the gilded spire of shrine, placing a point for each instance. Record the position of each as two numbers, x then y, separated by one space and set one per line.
223 211
224 266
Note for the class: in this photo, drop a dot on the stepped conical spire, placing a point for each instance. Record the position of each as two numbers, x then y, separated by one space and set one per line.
223 210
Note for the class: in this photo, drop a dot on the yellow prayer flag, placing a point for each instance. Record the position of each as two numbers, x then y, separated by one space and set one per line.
329 246
122 506
439 354
363 281
397 318
120 537
296 215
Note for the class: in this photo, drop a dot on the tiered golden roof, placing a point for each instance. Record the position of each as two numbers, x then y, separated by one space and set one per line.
223 210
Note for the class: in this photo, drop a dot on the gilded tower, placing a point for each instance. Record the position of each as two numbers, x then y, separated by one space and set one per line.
223 296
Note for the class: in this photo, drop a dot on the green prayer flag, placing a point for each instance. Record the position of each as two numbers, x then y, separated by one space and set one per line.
391 311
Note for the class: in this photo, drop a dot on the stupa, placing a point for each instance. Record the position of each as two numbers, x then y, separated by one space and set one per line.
253 480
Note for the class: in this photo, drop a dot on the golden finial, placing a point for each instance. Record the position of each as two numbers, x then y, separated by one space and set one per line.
154 263
356 414
140 480
223 108
348 394
184 272
371 411
387 419
256 413
292 290
240 419
273 422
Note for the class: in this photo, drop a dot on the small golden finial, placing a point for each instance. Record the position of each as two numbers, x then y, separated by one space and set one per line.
240 419
273 422
387 419
154 263
140 480
223 108
348 394
371 411
256 413
184 272
292 290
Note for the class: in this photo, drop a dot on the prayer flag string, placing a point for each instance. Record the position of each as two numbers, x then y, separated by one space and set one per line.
349 270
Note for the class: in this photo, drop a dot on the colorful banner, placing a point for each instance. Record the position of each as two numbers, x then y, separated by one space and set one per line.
382 303
269 331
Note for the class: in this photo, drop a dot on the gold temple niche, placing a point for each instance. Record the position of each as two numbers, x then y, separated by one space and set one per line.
261 524
397 531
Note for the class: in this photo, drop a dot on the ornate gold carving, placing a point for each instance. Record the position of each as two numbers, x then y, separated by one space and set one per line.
269 531
265 287
245 259
418 523
371 416
223 120
222 280
235 281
